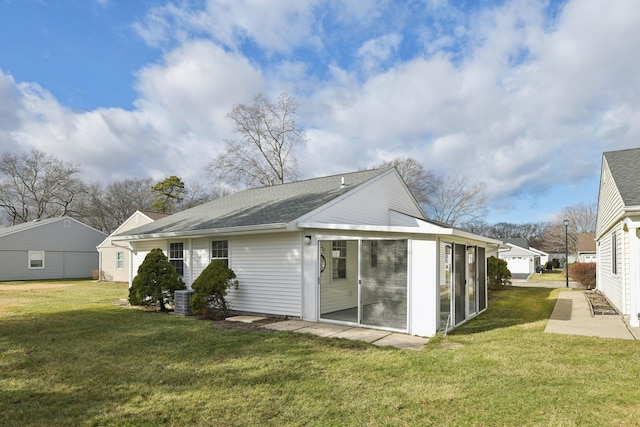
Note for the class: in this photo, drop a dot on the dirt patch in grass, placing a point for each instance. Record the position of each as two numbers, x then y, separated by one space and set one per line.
33 286
600 305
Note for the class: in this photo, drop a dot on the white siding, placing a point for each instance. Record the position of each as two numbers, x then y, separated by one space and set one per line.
609 283
610 204
423 287
269 273
200 258
140 251
370 205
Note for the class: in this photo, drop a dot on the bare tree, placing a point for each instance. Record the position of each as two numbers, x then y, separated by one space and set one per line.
197 194
37 185
106 208
583 216
532 231
456 201
582 219
264 153
421 182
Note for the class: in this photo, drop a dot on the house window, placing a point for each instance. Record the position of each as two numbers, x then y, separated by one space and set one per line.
119 260
220 250
176 256
36 259
374 254
614 254
339 256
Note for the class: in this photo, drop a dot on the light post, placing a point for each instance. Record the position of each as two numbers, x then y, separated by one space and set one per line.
566 250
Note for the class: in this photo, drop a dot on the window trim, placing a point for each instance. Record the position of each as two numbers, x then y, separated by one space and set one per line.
337 246
170 258
29 259
224 259
119 261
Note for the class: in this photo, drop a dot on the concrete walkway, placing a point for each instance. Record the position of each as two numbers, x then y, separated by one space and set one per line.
572 315
373 336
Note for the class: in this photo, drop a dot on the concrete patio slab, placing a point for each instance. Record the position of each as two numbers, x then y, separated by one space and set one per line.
323 329
372 336
402 341
288 325
362 334
244 319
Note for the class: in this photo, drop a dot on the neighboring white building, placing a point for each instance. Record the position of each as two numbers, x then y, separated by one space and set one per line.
353 249
617 232
521 259
114 257
54 248
587 247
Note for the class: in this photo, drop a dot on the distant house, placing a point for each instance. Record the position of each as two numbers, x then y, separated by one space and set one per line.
522 260
352 249
54 248
586 247
114 258
618 231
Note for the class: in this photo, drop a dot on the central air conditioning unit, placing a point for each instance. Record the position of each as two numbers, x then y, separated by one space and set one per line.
181 302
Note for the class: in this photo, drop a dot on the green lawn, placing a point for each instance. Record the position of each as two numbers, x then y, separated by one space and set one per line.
555 275
72 356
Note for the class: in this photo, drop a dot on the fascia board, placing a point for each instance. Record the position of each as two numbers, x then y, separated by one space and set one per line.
253 229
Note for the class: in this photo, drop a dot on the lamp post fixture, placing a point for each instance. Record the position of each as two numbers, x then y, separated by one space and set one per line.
566 250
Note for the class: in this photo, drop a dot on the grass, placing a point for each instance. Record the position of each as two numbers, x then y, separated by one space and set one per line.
556 275
72 355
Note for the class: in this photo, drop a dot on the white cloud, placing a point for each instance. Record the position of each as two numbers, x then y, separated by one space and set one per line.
378 51
504 95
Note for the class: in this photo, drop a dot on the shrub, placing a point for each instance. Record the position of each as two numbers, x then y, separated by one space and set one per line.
156 282
584 273
211 288
498 273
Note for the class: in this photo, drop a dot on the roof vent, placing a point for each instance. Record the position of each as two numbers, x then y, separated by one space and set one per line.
342 184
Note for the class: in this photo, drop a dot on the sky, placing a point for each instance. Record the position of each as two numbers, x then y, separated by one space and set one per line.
522 95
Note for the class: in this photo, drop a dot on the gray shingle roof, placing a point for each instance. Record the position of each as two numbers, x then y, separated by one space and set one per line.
278 204
625 167
518 241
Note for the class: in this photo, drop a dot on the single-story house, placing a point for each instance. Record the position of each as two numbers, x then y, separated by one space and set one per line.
586 247
522 260
617 235
352 249
54 248
113 256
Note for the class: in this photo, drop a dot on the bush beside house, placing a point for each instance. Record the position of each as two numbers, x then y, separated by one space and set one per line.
156 282
498 274
584 273
211 288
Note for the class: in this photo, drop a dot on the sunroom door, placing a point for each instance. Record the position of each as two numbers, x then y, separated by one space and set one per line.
383 272
339 280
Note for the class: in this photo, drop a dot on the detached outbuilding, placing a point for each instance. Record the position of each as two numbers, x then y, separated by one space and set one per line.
522 260
54 248
352 249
